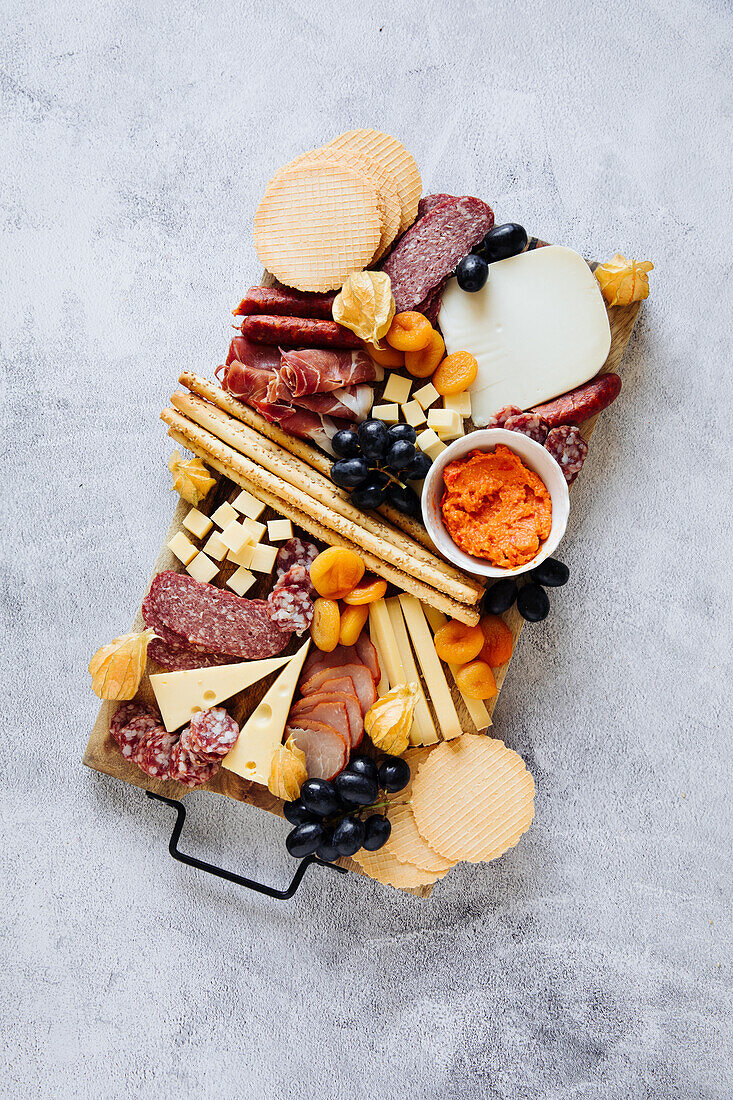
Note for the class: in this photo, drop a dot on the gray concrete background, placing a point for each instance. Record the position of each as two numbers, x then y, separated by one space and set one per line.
592 960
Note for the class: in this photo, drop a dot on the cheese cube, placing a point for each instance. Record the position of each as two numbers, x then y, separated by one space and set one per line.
255 528
241 581
435 449
390 414
248 505
397 389
278 530
223 515
427 439
243 556
235 536
413 413
182 547
202 568
215 548
263 558
447 424
197 523
426 396
458 402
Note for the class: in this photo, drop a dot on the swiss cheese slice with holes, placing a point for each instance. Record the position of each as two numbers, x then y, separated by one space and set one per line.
316 224
180 695
472 798
396 161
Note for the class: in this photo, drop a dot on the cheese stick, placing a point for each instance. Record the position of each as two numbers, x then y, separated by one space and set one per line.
248 476
394 546
432 669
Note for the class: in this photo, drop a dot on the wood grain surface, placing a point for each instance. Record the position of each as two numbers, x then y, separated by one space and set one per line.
103 755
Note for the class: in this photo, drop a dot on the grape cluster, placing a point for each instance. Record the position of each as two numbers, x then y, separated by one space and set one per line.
533 603
327 815
375 462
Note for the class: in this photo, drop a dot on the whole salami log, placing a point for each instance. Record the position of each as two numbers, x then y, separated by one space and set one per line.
218 620
284 302
569 449
298 332
429 251
581 403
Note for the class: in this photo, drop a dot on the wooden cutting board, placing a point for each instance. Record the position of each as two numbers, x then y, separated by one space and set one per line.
103 755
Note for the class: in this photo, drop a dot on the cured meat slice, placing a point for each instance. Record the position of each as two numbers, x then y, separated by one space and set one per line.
368 655
430 308
529 424
295 552
429 251
309 704
429 202
295 332
320 371
249 354
569 449
582 402
360 674
284 301
130 723
189 769
326 753
499 419
178 658
210 734
153 752
333 714
210 617
290 608
349 402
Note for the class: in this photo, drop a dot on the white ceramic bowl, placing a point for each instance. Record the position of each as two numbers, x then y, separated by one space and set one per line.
535 457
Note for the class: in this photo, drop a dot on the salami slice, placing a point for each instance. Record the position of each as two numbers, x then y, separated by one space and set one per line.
429 202
153 752
295 552
529 424
428 252
430 308
217 620
210 734
178 657
190 770
297 576
130 723
290 607
499 419
569 449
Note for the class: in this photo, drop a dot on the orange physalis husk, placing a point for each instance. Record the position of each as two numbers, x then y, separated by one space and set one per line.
365 305
389 720
624 281
287 771
117 669
190 478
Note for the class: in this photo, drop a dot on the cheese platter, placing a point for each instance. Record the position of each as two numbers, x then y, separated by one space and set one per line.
377 483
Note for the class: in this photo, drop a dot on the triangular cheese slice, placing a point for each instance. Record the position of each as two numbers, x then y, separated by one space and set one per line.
263 731
180 695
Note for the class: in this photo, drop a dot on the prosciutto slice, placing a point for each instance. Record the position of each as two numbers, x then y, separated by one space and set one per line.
318 370
349 402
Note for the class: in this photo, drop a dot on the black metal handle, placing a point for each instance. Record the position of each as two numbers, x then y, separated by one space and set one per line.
219 872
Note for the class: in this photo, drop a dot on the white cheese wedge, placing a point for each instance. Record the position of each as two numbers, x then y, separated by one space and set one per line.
432 669
180 695
538 329
215 548
263 731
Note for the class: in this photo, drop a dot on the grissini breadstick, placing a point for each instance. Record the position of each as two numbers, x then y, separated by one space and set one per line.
397 547
236 468
298 447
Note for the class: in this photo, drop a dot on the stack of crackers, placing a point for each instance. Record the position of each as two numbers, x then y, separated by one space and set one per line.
469 799
336 210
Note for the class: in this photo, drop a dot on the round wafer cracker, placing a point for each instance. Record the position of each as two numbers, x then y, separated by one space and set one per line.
316 224
386 868
472 798
390 208
397 162
405 842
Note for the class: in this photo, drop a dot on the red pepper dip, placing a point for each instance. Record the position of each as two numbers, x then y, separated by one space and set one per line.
494 507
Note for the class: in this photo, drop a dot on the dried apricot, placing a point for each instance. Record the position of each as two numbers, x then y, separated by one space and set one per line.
336 571
498 641
386 357
409 331
457 643
421 364
368 590
352 623
326 625
456 373
476 680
